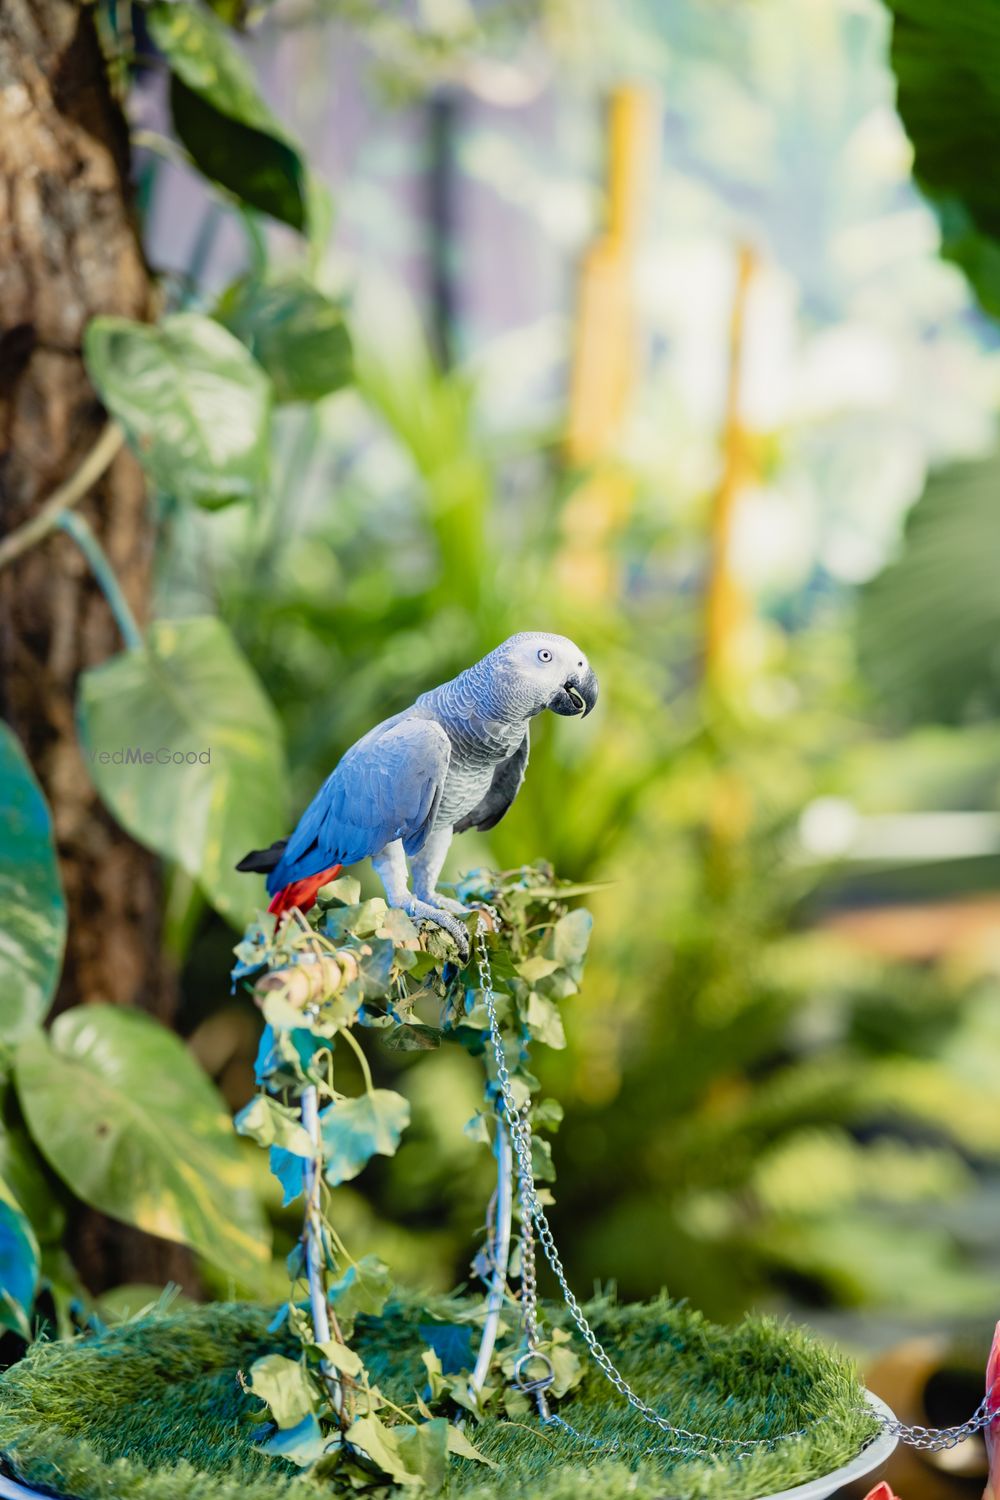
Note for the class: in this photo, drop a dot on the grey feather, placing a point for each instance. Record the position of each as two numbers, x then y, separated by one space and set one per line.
504 787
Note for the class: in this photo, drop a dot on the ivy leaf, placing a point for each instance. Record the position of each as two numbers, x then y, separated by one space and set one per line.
542 1164
535 968
567 942
459 1444
19 1265
547 1114
126 1117
284 1055
423 1450
289 1168
220 117
32 909
269 1123
195 405
355 1130
285 1385
543 1021
338 1354
294 331
188 692
380 1443
304 1444
363 1288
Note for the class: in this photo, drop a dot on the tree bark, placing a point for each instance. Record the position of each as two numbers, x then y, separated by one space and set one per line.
69 250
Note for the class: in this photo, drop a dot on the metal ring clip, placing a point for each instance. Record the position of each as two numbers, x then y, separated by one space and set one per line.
541 1382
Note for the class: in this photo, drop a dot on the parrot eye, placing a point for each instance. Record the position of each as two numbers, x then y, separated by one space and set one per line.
544 655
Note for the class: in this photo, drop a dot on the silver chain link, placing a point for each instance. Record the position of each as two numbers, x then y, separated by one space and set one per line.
534 1221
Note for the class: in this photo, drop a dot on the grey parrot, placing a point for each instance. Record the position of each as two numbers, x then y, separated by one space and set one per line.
454 760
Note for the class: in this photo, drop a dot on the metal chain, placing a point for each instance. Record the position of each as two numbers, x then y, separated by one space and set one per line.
534 1219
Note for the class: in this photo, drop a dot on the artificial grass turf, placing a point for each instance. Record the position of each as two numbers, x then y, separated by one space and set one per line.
153 1410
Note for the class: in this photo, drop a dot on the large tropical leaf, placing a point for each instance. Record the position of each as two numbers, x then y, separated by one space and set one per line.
293 330
946 55
32 910
186 750
929 625
221 118
125 1116
194 404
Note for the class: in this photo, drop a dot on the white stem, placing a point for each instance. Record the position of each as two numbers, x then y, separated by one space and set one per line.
315 1256
499 1255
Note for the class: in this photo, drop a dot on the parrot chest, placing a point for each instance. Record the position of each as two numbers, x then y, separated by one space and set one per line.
470 772
464 788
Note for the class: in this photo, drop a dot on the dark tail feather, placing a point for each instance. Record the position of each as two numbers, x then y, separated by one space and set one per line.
260 861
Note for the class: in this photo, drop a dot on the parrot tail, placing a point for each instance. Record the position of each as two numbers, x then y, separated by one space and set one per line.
301 893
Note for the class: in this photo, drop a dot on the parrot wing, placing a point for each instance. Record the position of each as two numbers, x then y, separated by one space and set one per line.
504 787
388 786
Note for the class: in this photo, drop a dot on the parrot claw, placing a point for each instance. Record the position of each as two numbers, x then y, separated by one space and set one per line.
423 911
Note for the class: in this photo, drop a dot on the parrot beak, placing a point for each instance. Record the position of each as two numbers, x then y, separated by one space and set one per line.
576 697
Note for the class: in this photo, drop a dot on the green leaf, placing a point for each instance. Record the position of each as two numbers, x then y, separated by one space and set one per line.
355 1130
567 942
269 1123
928 625
946 58
338 1355
32 909
294 331
363 1288
125 1116
19 1265
189 691
459 1444
544 1021
195 405
380 1443
423 1451
285 1385
221 118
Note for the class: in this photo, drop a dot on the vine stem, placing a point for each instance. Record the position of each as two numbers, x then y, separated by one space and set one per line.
314 1246
107 580
362 1059
62 500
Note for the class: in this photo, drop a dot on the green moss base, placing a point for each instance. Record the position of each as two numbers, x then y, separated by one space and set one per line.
153 1410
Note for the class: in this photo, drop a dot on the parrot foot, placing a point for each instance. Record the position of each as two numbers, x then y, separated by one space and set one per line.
423 911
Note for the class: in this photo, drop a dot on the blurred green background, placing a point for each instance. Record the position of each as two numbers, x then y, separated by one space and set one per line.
656 347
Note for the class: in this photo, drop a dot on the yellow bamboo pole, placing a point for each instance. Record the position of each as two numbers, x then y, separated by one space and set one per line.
604 369
727 610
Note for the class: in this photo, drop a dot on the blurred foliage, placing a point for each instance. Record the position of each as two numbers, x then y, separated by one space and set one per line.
930 623
947 64
757 1106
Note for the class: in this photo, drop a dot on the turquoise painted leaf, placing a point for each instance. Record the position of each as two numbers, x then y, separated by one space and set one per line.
355 1130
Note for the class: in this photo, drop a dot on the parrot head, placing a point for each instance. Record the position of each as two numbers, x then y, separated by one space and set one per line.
533 671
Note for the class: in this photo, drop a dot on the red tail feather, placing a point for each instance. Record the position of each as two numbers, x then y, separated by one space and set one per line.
301 893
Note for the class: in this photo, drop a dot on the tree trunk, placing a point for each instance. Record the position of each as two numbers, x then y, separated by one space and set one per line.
68 251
